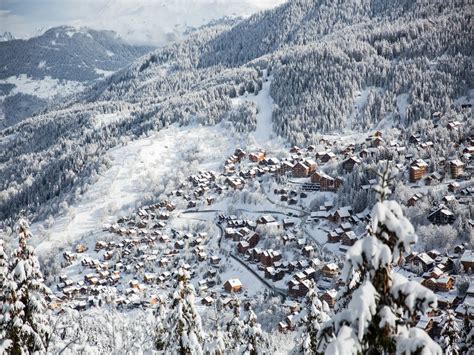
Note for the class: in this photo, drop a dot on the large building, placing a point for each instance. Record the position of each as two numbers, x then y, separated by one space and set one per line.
457 168
418 169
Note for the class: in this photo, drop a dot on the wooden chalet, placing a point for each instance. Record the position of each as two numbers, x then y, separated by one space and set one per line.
418 169
457 168
350 163
233 285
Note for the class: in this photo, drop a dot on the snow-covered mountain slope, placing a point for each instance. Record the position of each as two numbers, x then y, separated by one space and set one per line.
318 54
135 172
55 64
67 53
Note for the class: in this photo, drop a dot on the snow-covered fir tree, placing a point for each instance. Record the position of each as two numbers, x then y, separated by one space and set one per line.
450 334
184 333
234 328
383 304
467 333
253 339
313 314
215 343
5 343
24 314
160 324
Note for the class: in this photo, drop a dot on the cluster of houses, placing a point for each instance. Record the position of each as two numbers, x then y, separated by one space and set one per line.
138 258
439 271
139 254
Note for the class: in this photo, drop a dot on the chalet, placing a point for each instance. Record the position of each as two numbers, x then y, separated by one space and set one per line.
233 285
252 239
349 150
81 248
441 215
288 223
267 219
346 227
453 186
100 245
285 167
433 179
108 255
257 157
330 270
414 199
445 283
69 257
327 156
207 301
308 250
298 288
342 215
467 260
240 153
457 168
334 237
452 125
349 163
330 297
424 261
418 169
242 247
414 139
326 182
348 238
301 169
446 301
459 249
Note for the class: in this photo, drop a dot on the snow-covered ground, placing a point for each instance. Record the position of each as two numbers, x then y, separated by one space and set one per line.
136 170
263 136
45 88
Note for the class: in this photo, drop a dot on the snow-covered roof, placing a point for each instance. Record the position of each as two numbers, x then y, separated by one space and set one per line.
234 282
468 256
457 162
425 258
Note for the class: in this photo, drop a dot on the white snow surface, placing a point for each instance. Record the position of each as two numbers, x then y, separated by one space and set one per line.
264 102
135 169
46 88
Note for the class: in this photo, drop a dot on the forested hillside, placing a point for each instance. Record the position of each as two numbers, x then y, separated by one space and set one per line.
401 61
49 67
67 53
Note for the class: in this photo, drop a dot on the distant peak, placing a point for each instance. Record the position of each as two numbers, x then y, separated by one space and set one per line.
6 36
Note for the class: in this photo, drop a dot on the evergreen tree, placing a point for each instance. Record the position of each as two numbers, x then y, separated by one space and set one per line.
235 328
383 304
24 318
160 324
184 330
5 343
312 316
450 333
467 333
215 344
253 339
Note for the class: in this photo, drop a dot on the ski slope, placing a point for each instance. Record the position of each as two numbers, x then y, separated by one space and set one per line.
137 170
